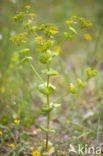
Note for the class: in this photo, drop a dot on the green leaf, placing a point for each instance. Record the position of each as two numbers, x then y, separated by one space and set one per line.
51 72
46 108
46 90
47 130
26 59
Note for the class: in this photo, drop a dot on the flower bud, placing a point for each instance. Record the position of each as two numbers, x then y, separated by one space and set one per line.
80 83
91 73
72 88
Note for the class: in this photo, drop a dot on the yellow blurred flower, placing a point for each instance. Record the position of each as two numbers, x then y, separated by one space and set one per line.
12 145
38 130
14 59
53 118
53 32
87 37
64 152
36 153
28 7
17 121
58 151
2 90
83 134
74 17
32 148
67 121
32 15
57 48
68 22
83 102
1 133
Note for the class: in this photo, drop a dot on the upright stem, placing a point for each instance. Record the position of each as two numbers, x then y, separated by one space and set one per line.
48 116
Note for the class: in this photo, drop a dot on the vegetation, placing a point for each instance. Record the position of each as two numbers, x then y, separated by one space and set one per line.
32 122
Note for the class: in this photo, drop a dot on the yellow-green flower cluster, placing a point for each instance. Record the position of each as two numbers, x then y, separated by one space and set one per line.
22 37
49 30
53 32
17 122
35 152
85 23
75 24
43 45
80 83
90 73
19 17
27 7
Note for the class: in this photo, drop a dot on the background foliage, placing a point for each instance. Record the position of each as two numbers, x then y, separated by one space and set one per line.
81 116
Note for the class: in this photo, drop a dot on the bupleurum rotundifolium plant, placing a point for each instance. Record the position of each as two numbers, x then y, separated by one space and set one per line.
44 37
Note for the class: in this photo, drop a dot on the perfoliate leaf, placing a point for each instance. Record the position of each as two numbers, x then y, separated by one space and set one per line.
47 130
51 72
26 59
45 58
46 108
46 90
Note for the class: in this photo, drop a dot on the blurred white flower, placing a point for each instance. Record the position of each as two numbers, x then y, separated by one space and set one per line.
13 1
1 36
12 33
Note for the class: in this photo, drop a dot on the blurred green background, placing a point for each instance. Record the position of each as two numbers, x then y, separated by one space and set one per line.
18 95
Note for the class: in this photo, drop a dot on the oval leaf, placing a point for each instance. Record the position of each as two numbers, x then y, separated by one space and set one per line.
26 59
51 72
46 90
46 108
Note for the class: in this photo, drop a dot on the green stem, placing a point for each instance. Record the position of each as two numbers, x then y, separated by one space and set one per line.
36 73
60 98
48 118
